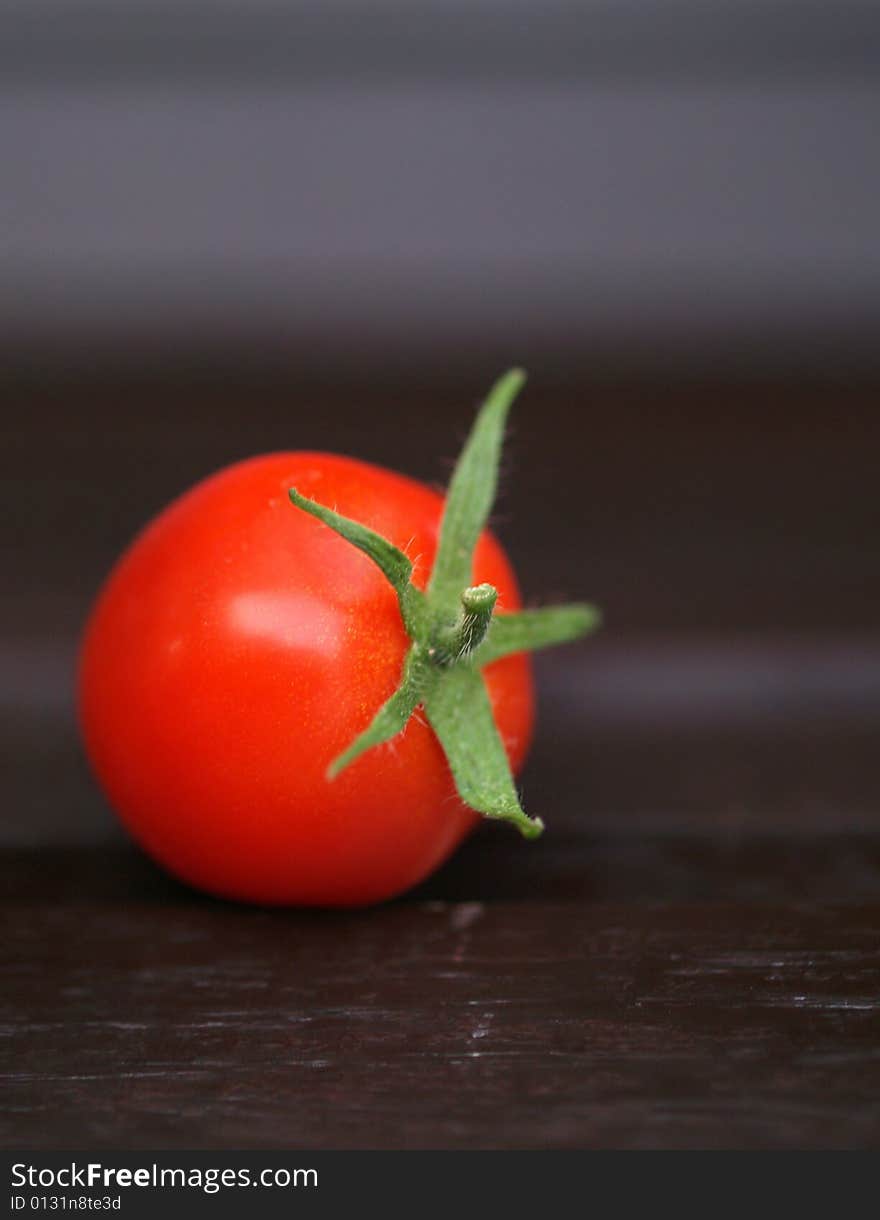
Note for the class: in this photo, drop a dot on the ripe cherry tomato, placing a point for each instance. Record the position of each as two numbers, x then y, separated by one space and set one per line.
238 647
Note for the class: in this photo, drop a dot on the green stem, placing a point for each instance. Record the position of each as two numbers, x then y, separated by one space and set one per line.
467 633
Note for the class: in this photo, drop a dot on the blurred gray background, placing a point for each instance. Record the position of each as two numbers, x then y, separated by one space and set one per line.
378 179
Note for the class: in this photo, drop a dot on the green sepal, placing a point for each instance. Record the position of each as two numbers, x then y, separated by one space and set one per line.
460 714
393 716
528 630
471 495
394 565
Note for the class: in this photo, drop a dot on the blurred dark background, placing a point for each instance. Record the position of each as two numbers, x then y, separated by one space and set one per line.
227 228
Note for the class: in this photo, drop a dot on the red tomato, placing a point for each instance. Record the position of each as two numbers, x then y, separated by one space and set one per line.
238 647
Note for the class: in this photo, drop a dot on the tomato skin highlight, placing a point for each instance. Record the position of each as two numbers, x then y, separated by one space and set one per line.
238 647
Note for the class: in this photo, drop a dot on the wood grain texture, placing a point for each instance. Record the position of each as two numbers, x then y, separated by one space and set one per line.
180 1022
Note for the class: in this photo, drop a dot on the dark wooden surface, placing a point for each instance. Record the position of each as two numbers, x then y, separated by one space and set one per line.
675 979
159 1020
689 958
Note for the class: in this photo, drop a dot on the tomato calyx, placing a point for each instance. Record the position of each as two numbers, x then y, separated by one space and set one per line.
453 629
